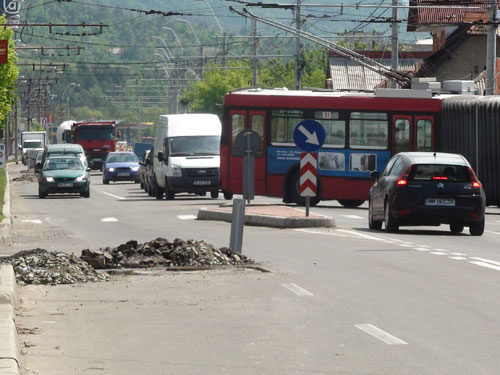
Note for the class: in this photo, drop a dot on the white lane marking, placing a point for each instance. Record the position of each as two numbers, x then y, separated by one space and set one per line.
322 233
438 253
186 217
458 254
109 219
354 217
111 195
487 265
34 221
422 249
486 260
405 245
362 235
440 250
379 334
297 289
457 258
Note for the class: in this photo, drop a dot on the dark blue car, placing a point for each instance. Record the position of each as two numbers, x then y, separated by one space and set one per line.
121 166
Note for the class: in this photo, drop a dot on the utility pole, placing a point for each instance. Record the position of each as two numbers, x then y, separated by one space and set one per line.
297 46
255 70
491 49
394 39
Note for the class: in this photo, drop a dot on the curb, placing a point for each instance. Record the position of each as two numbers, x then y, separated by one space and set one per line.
9 351
269 221
5 225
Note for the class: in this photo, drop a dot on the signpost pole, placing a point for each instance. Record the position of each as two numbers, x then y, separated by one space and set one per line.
308 202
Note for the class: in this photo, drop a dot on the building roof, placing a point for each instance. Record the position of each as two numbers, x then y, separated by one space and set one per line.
421 17
348 75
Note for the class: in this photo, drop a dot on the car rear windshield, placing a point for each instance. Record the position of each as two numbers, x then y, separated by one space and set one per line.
445 172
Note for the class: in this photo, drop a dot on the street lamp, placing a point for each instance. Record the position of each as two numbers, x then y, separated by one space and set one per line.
197 39
170 54
224 42
67 94
175 35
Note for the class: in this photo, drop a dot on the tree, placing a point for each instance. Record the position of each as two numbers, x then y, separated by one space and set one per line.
8 74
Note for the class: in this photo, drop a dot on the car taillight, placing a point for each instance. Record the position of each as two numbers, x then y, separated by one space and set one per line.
403 179
439 177
475 182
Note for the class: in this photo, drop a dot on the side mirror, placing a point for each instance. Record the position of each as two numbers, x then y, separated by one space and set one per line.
375 175
160 156
88 169
20 147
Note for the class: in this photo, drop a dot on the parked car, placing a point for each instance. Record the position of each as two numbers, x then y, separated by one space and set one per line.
121 166
64 174
142 169
425 188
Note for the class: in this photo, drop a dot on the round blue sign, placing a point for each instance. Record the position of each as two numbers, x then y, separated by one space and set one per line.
309 135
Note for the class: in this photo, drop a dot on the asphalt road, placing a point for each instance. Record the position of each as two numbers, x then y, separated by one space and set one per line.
339 301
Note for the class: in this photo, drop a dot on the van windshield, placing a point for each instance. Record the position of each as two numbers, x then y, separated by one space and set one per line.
194 145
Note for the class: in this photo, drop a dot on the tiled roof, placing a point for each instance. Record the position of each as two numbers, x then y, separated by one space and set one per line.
418 17
348 75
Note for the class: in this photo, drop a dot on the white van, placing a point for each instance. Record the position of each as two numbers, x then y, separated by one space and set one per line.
187 155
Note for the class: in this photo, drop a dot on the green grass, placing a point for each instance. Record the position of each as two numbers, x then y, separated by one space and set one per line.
3 182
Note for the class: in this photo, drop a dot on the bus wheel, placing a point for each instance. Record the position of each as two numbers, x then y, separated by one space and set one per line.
294 187
350 203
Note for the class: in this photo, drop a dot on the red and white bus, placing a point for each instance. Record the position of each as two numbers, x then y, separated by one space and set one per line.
363 130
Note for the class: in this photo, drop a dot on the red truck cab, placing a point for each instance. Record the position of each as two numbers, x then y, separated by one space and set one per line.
98 138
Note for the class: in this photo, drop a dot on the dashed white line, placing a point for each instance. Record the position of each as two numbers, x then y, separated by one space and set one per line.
297 290
438 253
186 217
109 220
486 260
422 249
379 334
486 265
457 258
354 217
458 254
111 195
33 221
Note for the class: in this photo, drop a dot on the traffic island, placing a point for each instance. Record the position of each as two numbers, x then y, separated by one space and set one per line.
269 215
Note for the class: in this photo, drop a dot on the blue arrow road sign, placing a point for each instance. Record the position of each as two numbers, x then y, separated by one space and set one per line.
309 135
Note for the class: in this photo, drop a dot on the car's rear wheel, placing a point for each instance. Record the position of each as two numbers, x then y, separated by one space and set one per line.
372 223
228 195
477 228
391 224
350 203
214 194
456 228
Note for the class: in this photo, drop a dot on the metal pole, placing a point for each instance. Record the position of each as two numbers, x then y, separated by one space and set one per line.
491 49
297 45
394 39
255 70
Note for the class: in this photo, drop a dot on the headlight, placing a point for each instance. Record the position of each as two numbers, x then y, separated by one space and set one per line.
111 169
176 171
135 169
49 179
81 178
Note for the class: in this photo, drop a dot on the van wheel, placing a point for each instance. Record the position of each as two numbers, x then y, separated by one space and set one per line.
170 195
158 191
391 224
477 228
294 190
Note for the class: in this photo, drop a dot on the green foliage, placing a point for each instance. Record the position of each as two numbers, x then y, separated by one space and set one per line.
8 74
86 113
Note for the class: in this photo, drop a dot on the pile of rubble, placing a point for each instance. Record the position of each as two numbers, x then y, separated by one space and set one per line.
39 266
161 252
26 176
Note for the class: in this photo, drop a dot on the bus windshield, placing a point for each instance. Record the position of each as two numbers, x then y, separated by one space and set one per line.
194 145
95 132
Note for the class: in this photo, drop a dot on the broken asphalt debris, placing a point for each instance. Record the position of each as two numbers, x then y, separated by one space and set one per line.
39 266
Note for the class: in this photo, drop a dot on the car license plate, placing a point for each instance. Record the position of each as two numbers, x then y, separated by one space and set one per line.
123 174
440 202
66 184
201 183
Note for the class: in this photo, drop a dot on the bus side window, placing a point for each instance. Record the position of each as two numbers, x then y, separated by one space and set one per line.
402 136
424 135
237 125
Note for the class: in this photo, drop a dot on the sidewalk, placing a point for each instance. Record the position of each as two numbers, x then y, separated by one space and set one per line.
5 225
269 215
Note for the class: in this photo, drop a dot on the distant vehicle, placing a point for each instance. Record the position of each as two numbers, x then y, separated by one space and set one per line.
98 138
121 166
186 156
141 148
63 132
64 174
425 188
31 141
142 169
